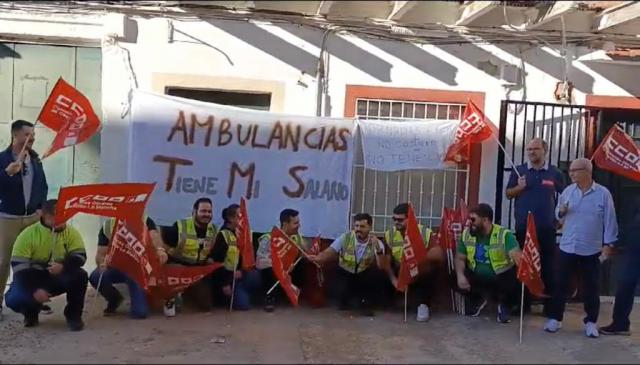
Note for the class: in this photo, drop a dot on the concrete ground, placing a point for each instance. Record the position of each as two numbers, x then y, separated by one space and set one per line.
305 335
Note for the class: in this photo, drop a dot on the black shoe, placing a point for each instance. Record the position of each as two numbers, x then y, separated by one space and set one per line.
112 306
614 330
46 309
503 314
75 324
269 304
31 320
366 309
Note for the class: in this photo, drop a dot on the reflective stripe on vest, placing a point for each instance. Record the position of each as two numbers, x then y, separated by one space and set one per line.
395 240
347 259
188 248
233 254
498 256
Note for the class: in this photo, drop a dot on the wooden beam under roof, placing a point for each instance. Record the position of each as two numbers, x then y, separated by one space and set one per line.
474 10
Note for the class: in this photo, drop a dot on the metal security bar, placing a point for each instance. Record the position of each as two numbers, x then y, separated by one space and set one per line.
563 127
378 192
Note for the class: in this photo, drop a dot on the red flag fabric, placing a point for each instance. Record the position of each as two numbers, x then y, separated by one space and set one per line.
132 252
176 278
414 252
315 250
278 246
243 233
69 113
286 250
619 154
124 201
474 128
530 269
447 239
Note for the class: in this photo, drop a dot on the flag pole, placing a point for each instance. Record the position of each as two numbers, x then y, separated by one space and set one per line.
506 154
233 283
521 309
406 295
278 282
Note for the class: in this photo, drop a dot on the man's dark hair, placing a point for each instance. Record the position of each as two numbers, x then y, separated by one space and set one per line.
402 208
229 212
287 214
17 125
49 207
362 217
483 210
197 203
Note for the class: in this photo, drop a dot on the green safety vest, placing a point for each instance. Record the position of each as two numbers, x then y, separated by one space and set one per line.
108 225
188 248
395 239
347 260
33 245
233 254
498 256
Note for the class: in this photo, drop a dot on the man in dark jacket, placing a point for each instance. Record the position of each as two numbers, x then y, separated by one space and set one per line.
23 189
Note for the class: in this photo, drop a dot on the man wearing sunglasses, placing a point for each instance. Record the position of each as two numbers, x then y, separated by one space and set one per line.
421 288
486 259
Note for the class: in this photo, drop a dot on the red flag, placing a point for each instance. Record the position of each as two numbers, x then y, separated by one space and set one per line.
70 114
315 250
445 233
243 233
530 268
176 278
414 252
619 154
131 252
286 250
123 201
474 128
278 246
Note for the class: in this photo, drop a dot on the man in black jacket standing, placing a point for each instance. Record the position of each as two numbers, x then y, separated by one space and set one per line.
23 190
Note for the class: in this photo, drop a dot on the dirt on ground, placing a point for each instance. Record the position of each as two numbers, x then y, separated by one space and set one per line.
305 335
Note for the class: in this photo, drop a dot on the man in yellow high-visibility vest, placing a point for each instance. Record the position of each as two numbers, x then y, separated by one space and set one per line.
486 259
422 287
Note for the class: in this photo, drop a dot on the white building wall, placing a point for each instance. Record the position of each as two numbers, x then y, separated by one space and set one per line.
249 56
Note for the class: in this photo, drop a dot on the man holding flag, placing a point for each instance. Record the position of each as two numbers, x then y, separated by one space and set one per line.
421 286
361 261
47 261
247 280
485 260
190 242
289 225
535 186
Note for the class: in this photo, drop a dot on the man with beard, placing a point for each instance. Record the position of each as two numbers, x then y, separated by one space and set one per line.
535 188
23 189
421 288
362 265
289 224
486 260
190 242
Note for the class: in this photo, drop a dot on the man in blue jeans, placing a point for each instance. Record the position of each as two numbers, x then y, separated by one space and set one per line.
107 276
628 277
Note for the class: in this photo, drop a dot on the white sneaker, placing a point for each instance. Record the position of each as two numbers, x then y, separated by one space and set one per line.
170 308
423 313
591 330
552 326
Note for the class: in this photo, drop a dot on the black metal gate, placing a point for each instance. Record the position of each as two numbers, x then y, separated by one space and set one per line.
568 130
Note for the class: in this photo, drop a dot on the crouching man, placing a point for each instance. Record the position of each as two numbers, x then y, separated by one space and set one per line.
46 262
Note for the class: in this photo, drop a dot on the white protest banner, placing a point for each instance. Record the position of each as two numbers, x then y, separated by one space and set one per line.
194 149
391 145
